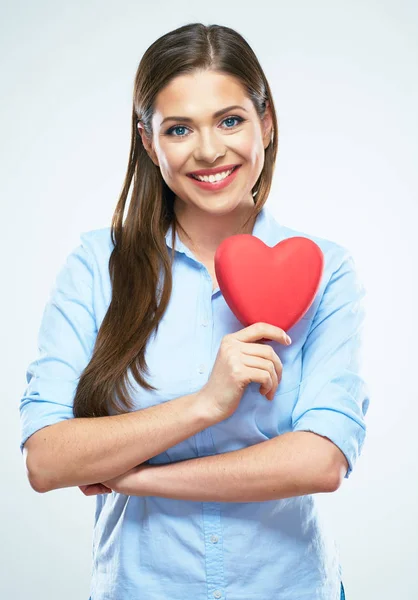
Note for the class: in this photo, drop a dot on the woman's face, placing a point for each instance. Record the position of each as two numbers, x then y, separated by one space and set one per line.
199 140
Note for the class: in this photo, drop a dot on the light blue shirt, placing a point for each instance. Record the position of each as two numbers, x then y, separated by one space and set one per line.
156 548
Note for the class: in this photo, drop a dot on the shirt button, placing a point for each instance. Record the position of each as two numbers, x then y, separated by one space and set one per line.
214 538
205 322
201 368
217 594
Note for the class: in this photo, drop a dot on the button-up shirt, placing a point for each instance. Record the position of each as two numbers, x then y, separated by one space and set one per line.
157 548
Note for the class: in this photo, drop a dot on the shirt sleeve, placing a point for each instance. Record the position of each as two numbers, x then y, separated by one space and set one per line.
333 396
66 339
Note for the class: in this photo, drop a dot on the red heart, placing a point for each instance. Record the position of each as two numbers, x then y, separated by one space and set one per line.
274 285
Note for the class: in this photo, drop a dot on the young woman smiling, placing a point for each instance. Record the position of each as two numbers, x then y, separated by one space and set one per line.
204 448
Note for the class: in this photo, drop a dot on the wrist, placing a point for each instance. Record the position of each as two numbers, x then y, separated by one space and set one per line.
210 414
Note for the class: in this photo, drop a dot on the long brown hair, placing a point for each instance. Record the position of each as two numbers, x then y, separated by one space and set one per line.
140 248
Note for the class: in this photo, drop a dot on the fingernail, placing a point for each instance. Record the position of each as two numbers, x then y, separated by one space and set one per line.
288 340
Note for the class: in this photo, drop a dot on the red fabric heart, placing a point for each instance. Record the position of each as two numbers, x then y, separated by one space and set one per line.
274 285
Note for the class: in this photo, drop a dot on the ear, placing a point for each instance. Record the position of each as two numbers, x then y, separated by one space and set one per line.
147 143
267 125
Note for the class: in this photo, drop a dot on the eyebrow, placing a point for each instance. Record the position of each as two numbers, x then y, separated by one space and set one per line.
218 113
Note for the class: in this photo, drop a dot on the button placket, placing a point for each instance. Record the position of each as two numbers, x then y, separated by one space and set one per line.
202 367
205 447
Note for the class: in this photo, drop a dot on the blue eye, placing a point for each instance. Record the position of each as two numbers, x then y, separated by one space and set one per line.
175 127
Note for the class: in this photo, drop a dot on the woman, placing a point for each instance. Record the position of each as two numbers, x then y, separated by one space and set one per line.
157 402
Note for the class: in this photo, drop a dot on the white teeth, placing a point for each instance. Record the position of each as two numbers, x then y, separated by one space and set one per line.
213 178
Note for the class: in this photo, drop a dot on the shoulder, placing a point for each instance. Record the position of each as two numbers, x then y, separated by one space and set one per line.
97 242
334 253
338 261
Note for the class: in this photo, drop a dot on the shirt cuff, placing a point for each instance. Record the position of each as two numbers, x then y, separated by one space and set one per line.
346 433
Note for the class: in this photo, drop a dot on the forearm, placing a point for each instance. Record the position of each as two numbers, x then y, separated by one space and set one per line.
84 451
292 464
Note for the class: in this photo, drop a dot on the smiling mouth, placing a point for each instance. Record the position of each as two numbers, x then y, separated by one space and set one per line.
216 178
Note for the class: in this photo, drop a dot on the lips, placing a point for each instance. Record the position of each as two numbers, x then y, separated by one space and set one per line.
231 170
215 186
208 172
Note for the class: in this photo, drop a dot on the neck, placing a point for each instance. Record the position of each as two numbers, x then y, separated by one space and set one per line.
204 232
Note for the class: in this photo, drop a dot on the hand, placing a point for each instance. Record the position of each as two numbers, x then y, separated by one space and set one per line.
239 361
93 489
128 483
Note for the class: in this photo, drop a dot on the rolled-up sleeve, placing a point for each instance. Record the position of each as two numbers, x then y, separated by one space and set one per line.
66 339
333 395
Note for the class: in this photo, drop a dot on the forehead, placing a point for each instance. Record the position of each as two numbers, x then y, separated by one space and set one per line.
199 93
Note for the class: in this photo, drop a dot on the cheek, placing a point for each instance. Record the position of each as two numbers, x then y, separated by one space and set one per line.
257 153
250 148
172 162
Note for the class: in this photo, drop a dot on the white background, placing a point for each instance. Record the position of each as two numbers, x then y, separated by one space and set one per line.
344 82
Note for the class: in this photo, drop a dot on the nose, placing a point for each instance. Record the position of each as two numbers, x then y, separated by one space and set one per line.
208 148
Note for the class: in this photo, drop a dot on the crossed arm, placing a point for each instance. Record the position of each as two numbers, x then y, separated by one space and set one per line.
292 464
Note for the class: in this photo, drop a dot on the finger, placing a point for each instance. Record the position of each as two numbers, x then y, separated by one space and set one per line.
94 489
105 489
266 352
261 363
88 490
259 331
265 376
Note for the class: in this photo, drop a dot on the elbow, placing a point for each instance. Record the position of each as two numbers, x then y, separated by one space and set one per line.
332 485
33 473
334 478
37 483
37 486
340 471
